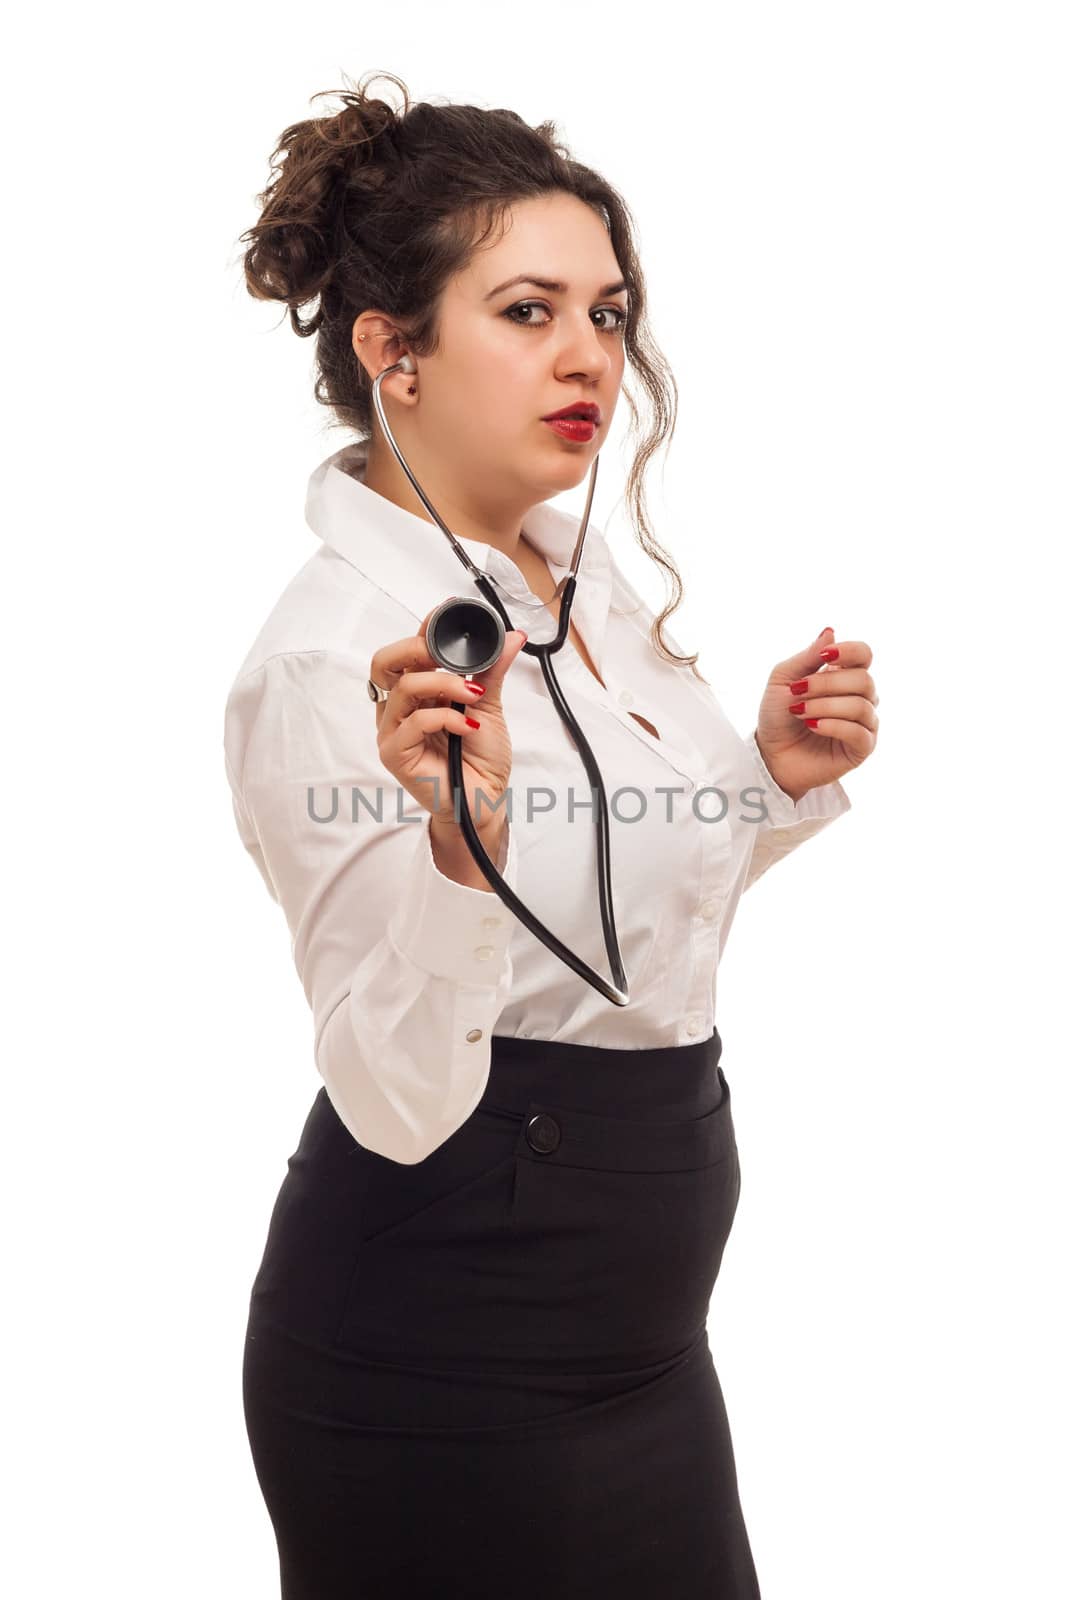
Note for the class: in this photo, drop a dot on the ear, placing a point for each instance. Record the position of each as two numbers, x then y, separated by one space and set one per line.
377 341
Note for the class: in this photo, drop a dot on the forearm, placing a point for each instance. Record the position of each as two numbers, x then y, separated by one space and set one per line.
452 855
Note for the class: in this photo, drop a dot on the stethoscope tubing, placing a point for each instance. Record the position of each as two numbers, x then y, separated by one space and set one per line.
617 991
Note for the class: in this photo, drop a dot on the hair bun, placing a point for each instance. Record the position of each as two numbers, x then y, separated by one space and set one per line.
293 255
360 121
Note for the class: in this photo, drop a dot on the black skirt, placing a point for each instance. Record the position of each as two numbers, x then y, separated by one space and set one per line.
488 1374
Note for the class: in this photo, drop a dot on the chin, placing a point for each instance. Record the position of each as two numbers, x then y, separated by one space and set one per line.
567 464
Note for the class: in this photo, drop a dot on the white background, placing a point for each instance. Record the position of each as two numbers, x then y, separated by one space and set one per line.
852 222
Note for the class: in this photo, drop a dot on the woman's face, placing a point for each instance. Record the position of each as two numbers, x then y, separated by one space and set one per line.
507 356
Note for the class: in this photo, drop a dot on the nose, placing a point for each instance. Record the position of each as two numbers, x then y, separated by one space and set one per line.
583 350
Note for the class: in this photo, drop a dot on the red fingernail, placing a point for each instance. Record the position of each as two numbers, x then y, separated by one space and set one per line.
472 724
829 655
798 708
476 688
800 687
812 722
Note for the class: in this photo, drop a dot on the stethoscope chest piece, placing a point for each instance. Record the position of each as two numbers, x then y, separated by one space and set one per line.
465 636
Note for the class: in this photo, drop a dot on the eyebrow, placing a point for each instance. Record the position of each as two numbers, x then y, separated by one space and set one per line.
552 285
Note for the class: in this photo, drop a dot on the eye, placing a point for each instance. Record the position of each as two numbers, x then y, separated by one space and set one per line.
618 311
515 314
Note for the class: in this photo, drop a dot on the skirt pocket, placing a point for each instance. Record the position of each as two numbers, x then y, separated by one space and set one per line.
416 1220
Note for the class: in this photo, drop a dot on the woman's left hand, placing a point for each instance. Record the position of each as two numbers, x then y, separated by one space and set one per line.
836 726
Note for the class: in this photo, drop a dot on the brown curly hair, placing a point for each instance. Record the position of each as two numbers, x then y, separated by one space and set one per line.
379 207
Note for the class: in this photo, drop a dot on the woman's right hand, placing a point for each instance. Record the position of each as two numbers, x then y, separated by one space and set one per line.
415 721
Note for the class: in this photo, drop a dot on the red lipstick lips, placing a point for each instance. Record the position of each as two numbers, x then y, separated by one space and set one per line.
578 422
582 408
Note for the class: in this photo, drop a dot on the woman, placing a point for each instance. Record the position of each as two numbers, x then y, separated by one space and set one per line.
477 1358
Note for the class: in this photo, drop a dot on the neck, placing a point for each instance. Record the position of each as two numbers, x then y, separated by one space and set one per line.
467 520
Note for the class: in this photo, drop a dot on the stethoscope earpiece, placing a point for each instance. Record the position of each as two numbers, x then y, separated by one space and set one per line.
465 636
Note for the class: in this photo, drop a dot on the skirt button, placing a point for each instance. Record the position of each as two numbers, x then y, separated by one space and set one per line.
542 1133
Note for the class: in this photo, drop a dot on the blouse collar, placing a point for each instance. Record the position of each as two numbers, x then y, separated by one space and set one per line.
411 560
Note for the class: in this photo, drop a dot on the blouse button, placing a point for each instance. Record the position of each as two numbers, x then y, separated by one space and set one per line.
474 1035
484 952
693 1025
626 698
490 922
707 910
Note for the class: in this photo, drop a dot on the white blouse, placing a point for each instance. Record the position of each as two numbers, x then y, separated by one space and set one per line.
409 974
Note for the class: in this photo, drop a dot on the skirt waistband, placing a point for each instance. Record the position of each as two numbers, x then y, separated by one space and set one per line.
673 1083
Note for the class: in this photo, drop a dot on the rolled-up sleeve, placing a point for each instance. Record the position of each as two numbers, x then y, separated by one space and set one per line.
406 971
788 822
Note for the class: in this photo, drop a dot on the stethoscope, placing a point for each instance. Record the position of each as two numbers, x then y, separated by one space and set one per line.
466 636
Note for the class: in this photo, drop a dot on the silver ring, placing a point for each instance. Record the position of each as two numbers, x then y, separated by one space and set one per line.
377 695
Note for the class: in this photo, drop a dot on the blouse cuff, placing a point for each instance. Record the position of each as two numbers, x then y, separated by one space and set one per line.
451 930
